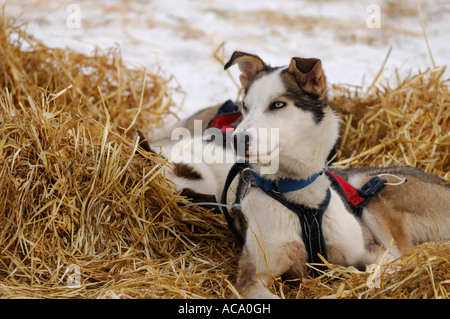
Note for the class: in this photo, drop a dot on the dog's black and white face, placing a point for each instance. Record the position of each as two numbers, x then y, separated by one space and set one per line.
286 114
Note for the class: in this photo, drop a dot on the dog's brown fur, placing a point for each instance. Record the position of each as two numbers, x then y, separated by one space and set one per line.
414 212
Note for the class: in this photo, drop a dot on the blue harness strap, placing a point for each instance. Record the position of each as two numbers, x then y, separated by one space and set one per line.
284 185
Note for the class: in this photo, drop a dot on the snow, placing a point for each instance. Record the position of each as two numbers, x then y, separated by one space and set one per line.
180 37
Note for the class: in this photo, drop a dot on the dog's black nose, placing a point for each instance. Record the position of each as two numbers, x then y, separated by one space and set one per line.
241 142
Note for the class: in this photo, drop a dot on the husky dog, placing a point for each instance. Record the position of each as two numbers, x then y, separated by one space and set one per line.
193 174
293 99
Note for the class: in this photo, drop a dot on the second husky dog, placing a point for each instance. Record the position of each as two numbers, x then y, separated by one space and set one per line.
293 99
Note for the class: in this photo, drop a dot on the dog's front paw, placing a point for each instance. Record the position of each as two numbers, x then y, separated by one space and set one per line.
258 293
264 294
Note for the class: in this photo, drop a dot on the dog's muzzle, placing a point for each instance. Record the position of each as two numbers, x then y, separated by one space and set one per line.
241 143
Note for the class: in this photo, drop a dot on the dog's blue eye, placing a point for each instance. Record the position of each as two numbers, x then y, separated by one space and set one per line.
277 105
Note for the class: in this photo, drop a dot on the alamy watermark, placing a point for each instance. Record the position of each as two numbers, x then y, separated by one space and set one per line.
73 20
373 20
74 276
215 146
374 279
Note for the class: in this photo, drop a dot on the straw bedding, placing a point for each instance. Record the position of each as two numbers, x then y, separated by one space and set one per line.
86 213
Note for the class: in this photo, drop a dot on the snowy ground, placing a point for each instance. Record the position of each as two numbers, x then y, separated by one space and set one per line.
181 36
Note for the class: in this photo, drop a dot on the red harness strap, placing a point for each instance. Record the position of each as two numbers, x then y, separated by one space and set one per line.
223 122
352 194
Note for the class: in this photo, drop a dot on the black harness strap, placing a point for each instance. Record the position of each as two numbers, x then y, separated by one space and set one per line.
234 171
310 218
311 224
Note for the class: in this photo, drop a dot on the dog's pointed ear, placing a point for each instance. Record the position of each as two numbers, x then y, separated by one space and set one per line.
249 64
309 75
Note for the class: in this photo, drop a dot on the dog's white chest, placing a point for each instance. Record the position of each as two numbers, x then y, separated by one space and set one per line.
269 220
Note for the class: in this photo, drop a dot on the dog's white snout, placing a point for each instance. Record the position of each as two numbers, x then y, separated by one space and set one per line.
241 142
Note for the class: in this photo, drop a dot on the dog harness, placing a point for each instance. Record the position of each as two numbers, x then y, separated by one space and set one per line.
311 224
357 198
227 114
310 218
226 118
